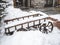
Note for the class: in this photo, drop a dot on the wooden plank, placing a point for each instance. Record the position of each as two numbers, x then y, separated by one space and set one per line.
6 21
24 22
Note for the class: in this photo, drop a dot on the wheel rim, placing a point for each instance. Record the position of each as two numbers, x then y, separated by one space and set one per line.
48 26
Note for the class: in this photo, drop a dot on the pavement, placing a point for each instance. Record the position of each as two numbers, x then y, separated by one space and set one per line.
48 10
51 11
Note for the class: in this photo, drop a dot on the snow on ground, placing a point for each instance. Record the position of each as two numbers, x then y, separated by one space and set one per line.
13 12
16 12
29 37
32 38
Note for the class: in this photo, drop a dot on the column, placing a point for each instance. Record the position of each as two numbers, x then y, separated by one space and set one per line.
23 2
28 3
53 3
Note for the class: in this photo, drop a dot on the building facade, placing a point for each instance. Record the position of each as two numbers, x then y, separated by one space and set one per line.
36 3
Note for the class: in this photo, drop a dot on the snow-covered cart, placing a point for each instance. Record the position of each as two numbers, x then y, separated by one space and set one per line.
33 20
45 28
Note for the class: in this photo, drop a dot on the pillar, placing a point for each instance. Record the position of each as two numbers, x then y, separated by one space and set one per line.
23 2
53 3
28 3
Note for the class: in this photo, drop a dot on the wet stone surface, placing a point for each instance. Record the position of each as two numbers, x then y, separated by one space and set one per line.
48 10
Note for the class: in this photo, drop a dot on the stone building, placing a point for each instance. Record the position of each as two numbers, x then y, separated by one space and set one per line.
29 3
36 3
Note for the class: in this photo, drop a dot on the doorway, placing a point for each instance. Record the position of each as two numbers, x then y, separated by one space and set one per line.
21 2
26 3
49 3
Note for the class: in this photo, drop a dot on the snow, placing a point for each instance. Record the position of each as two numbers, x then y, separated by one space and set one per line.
24 21
29 37
39 12
32 38
16 13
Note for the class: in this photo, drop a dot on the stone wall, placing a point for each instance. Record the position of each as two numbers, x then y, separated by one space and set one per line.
38 3
34 3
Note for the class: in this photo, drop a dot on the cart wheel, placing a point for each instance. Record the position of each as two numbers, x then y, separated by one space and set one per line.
50 26
42 28
45 28
9 33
